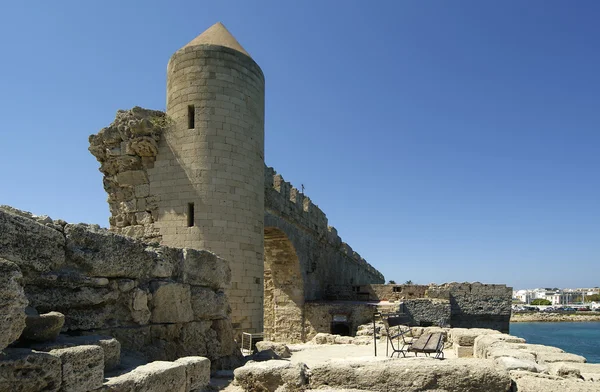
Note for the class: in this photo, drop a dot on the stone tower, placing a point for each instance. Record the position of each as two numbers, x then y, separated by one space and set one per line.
209 172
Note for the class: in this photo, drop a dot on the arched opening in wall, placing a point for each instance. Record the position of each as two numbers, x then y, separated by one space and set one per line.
284 289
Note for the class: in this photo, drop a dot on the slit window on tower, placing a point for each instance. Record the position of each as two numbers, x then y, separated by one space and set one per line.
190 215
191 116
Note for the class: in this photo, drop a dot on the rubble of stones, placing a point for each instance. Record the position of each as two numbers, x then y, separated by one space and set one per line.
126 150
76 299
486 361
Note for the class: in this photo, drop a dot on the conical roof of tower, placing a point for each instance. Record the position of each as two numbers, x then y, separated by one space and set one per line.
218 34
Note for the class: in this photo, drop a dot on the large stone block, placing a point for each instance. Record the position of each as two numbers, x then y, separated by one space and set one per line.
197 371
110 346
484 342
203 268
535 382
100 253
462 351
12 303
271 375
48 298
156 376
34 247
467 336
44 327
170 303
510 363
24 370
82 368
280 349
208 304
460 375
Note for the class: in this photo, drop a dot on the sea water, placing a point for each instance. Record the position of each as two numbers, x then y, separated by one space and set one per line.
582 338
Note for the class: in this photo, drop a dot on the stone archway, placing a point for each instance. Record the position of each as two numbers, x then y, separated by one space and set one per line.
284 290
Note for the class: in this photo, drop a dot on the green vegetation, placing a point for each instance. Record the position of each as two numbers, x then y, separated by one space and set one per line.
391 282
540 301
409 282
593 298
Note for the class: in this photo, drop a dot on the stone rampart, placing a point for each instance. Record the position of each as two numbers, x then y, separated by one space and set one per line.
163 302
284 202
458 305
476 305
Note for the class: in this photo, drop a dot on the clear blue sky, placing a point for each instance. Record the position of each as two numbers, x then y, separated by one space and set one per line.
446 141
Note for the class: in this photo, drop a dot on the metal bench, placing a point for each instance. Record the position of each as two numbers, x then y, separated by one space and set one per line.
429 343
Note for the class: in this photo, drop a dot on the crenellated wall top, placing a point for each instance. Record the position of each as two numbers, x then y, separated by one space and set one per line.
289 202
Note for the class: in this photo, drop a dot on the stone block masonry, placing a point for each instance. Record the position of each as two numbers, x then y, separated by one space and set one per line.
208 173
163 302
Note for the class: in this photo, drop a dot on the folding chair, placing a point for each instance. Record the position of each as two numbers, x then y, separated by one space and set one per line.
397 330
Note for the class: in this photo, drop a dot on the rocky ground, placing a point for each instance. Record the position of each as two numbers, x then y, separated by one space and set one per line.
554 317
476 361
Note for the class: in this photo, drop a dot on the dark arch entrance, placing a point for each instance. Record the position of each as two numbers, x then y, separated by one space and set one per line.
284 289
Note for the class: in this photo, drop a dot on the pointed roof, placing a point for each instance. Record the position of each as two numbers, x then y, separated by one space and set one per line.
218 34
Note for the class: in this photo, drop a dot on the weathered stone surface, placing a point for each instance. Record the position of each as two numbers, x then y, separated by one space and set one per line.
49 298
197 371
229 355
588 371
12 302
208 304
460 375
44 327
170 303
462 351
549 357
211 339
510 363
271 375
484 342
534 382
428 310
506 350
100 253
204 268
24 370
34 247
562 369
280 349
343 339
110 346
82 368
158 376
323 338
466 336
140 312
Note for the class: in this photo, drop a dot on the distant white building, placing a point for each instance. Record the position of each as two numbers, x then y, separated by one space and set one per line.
554 295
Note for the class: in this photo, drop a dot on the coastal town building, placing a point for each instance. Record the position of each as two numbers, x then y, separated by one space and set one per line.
556 296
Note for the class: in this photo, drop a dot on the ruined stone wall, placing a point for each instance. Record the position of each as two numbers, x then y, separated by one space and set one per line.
476 304
427 311
392 292
163 302
126 150
319 316
459 305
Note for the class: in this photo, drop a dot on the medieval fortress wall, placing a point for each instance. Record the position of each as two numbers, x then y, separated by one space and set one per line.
195 178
